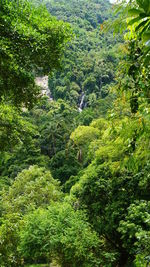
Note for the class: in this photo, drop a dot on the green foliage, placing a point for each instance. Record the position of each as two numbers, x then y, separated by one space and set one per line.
87 66
23 156
31 41
133 76
56 121
32 188
135 230
141 19
14 129
116 177
59 232
139 22
9 240
83 133
101 155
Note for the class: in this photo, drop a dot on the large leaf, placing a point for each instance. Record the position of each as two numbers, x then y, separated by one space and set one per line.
142 24
132 21
146 36
140 3
144 4
134 11
141 16
144 29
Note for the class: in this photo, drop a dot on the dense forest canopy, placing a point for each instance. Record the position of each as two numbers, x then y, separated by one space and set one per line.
75 166
88 67
28 45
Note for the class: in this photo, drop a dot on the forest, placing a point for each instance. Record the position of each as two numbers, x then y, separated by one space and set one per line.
74 158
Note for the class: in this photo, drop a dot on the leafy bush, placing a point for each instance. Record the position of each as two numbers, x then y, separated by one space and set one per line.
59 232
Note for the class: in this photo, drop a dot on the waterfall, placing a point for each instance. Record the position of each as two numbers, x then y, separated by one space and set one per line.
81 102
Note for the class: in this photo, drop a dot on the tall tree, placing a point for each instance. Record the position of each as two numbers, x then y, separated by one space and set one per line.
30 41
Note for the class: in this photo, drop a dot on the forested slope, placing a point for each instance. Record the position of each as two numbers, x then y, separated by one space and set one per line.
87 69
90 61
75 186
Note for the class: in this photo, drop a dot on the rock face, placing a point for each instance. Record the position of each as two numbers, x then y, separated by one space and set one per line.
43 83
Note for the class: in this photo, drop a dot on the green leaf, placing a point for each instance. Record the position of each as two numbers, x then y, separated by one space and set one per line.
141 25
144 28
143 4
146 36
146 6
134 11
132 21
140 3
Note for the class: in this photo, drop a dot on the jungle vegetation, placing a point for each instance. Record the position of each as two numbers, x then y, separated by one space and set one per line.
75 179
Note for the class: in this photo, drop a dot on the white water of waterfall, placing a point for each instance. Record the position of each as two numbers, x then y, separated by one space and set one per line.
81 102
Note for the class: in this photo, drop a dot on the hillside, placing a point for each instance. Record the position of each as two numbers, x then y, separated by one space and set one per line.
89 63
74 133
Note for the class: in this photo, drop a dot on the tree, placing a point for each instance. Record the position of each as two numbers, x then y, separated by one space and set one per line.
134 20
139 20
31 189
86 64
135 230
31 41
14 129
60 233
116 176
